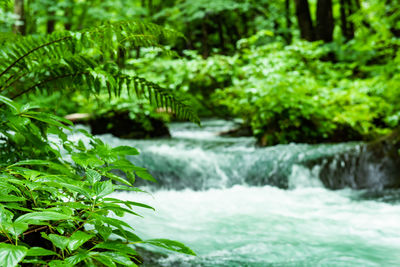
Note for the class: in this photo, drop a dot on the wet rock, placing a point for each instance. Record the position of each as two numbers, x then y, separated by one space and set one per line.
119 124
375 165
242 130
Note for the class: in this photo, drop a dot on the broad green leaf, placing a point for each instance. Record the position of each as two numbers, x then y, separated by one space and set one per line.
111 221
77 239
39 251
33 162
8 102
118 210
11 255
59 241
4 198
92 176
128 235
34 262
145 175
47 118
17 228
59 263
127 203
77 258
34 217
117 178
6 186
77 189
86 160
102 189
5 215
116 246
125 150
171 245
104 231
102 258
120 258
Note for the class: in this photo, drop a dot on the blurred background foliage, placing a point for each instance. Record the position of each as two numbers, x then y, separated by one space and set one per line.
293 70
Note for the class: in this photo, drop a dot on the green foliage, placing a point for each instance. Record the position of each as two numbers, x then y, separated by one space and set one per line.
69 60
55 204
289 93
193 76
292 94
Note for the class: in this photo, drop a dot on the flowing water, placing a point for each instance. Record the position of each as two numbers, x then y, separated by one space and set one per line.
238 205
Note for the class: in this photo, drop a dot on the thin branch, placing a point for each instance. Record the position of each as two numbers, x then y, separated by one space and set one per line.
35 230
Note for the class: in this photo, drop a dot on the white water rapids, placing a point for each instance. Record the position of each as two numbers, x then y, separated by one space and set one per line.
224 198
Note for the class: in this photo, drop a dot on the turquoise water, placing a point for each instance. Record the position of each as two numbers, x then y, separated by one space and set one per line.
238 205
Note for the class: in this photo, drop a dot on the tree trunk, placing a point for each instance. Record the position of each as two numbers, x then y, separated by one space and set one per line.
19 10
50 21
68 13
137 51
347 8
221 34
304 20
150 7
189 36
204 31
325 23
244 20
288 22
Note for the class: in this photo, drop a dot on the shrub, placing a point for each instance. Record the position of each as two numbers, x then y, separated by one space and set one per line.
55 207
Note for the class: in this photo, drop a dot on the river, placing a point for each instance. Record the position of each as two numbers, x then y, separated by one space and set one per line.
238 205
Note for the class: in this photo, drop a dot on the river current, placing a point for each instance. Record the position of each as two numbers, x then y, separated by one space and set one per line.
238 205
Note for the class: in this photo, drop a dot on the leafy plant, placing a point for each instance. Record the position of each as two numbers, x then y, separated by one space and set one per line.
55 207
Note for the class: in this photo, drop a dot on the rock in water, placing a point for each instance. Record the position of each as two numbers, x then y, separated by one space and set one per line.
375 165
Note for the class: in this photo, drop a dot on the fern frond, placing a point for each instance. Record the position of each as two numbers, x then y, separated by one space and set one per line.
82 72
73 61
21 55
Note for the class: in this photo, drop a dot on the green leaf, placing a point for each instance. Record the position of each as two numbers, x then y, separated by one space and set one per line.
8 102
32 162
102 258
104 231
128 203
145 175
120 258
34 217
11 255
77 258
59 263
171 245
17 228
92 176
102 189
128 235
4 198
116 178
125 150
59 241
39 251
86 160
34 262
77 239
48 118
77 189
111 221
116 246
